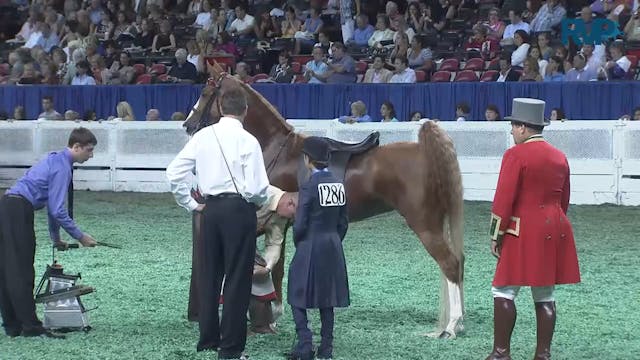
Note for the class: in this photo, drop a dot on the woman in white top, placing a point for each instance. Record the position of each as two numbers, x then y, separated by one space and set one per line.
388 112
521 40
534 52
194 56
82 74
382 33
205 17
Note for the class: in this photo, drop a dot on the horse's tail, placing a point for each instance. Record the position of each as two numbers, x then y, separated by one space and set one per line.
445 180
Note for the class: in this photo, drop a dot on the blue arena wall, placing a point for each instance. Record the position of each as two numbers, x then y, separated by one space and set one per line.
580 100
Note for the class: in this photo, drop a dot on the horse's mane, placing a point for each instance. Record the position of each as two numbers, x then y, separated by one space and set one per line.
216 70
265 103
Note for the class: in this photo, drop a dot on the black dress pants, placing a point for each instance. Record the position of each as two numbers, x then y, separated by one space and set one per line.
17 252
228 251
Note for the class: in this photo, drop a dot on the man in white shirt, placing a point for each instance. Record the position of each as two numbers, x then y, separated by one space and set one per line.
243 25
231 176
48 111
516 24
403 73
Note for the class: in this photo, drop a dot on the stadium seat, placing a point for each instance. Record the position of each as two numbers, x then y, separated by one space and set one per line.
421 76
451 65
144 79
139 69
361 67
302 59
5 69
489 75
475 64
296 67
158 69
299 79
493 64
441 76
261 76
466 75
452 36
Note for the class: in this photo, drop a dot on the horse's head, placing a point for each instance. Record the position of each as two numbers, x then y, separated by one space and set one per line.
207 109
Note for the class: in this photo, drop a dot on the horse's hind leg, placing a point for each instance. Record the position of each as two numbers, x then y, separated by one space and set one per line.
442 253
451 306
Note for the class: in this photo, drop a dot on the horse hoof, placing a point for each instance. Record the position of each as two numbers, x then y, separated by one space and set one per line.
441 335
446 335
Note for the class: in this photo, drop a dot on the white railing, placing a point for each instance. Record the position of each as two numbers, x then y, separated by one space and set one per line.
131 156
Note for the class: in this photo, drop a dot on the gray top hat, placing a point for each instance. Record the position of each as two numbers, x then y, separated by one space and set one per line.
528 111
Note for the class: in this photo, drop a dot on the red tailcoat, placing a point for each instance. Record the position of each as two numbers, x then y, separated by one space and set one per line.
529 215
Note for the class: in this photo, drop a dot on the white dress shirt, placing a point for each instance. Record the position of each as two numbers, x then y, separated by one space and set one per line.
241 25
520 55
202 153
408 76
511 29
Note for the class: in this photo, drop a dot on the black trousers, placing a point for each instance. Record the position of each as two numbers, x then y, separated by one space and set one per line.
228 251
304 345
17 252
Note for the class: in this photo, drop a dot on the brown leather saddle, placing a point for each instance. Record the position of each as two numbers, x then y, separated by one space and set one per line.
341 153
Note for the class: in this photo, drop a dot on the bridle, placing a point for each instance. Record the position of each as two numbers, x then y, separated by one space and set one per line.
216 84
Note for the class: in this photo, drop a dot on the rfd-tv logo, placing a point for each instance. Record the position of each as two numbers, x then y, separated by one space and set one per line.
601 30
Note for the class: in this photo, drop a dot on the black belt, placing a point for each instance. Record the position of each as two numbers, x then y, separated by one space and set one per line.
225 195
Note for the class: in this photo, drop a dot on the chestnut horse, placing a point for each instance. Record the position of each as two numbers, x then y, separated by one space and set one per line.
422 181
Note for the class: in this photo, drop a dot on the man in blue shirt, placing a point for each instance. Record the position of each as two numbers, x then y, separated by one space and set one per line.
46 183
362 33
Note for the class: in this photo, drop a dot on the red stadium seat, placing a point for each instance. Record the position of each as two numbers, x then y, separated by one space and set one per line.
489 75
475 64
634 52
493 64
441 76
451 65
139 69
361 67
302 59
158 69
299 79
296 67
421 76
5 69
466 75
261 76
144 79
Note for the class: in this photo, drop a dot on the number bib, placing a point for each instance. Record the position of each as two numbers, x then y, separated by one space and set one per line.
331 194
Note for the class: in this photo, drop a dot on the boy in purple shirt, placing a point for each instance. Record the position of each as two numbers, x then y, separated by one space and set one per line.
46 183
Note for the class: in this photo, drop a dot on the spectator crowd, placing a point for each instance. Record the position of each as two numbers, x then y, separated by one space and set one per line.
96 42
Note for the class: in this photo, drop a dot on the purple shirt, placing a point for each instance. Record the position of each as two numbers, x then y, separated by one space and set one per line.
47 183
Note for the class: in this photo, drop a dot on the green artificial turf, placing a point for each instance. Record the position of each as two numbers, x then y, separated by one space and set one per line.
142 289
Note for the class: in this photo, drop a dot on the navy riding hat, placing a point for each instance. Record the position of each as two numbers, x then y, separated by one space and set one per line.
316 148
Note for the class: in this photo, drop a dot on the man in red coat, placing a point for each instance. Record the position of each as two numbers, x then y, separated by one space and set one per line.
530 233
